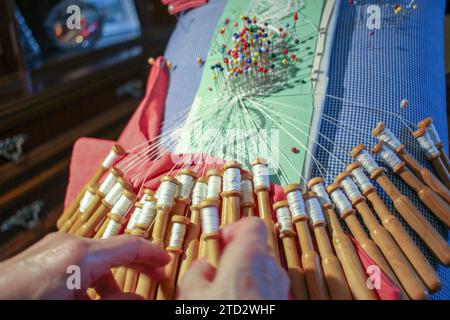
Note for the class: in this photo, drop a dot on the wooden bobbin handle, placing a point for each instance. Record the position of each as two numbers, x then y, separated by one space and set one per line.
408 246
426 176
416 220
233 207
441 171
100 208
444 158
295 271
433 201
334 275
224 212
166 289
212 249
354 271
70 210
310 262
266 215
120 276
131 280
179 209
405 273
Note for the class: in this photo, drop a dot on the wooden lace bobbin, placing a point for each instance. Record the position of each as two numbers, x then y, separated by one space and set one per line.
390 140
186 178
141 227
261 183
408 278
214 187
295 271
334 275
96 210
310 259
82 214
165 201
210 229
395 228
107 163
232 190
191 243
404 206
110 199
431 129
248 200
166 289
353 270
433 154
347 214
432 200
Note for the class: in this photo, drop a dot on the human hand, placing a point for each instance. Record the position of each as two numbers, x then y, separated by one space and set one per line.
40 272
246 270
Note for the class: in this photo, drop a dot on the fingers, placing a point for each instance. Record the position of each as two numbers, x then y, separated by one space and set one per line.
252 226
198 277
125 249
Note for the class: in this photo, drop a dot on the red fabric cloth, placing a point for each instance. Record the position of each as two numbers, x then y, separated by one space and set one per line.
144 125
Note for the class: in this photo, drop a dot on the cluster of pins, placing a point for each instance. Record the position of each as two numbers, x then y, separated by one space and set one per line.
255 58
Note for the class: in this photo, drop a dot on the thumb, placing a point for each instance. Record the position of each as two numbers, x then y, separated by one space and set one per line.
198 277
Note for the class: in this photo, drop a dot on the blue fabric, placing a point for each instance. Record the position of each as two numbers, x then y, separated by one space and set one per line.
402 60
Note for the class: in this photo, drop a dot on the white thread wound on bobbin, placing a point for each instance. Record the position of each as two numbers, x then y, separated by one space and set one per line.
109 160
177 235
284 219
166 194
86 200
314 210
134 217
247 191
210 220
434 135
390 139
108 183
361 179
121 206
214 185
185 187
232 179
111 230
114 194
321 192
341 201
427 145
350 188
296 203
147 214
389 157
260 176
367 161
199 192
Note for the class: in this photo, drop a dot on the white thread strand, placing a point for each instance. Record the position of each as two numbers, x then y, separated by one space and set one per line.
108 183
247 191
111 230
261 176
114 194
321 192
362 179
341 201
427 145
147 215
390 139
232 179
177 235
214 185
389 157
296 203
209 220
284 219
167 193
199 192
367 161
109 160
86 201
185 187
314 210
121 206
350 188
134 217
434 135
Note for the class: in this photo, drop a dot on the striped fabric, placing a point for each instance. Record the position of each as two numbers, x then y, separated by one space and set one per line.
370 74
